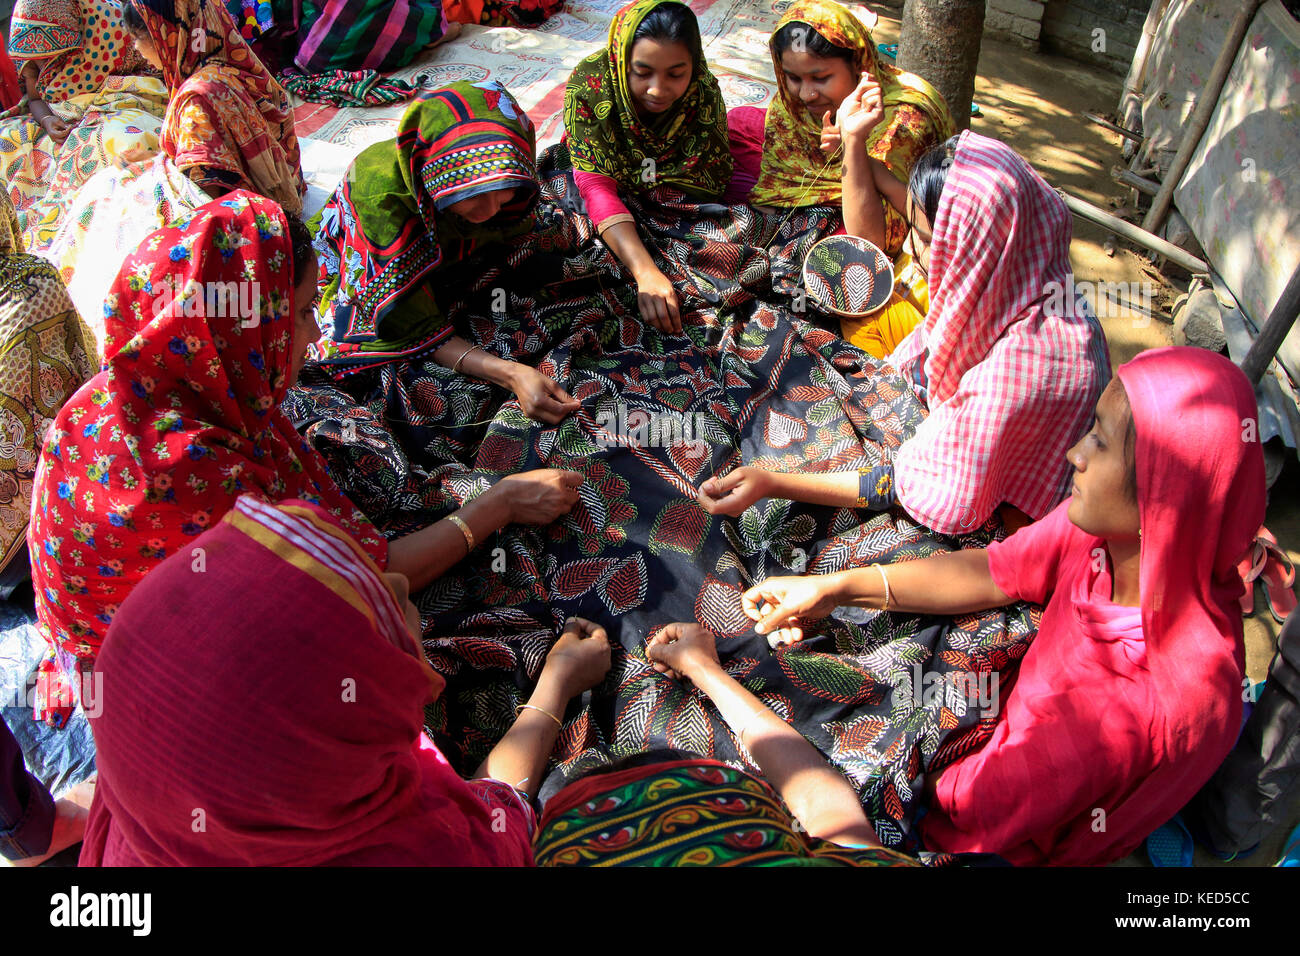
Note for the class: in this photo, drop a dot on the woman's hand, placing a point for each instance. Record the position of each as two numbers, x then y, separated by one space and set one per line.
541 398
580 659
540 496
861 111
783 604
830 134
735 491
657 300
54 127
681 650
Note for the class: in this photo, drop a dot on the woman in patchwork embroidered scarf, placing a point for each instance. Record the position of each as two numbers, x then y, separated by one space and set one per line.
1130 696
305 746
821 52
670 808
459 178
46 352
644 112
229 124
1008 364
84 108
208 327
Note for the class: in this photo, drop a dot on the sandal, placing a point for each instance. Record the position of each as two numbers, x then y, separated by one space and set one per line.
1249 567
1277 576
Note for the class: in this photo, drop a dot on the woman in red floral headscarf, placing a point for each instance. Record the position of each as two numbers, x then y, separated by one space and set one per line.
207 327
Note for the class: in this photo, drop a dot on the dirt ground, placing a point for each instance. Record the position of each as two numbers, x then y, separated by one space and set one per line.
1036 103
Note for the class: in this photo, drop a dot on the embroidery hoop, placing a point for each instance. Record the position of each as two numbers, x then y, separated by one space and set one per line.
848 276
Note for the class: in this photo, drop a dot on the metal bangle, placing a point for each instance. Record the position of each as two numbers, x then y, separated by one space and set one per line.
559 723
755 715
456 367
464 529
883 577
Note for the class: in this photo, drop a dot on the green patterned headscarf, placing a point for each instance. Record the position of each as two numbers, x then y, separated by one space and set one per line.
688 144
387 230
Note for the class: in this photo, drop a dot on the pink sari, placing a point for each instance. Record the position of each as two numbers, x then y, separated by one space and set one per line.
303 744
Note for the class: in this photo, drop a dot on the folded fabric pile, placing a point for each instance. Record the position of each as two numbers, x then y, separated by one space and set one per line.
348 88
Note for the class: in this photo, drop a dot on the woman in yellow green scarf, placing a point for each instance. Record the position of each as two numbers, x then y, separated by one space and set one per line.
643 112
821 53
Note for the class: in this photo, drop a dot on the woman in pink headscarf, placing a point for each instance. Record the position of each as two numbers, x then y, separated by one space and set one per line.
1130 696
262 700
1008 363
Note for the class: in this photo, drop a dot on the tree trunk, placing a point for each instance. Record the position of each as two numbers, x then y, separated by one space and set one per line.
940 40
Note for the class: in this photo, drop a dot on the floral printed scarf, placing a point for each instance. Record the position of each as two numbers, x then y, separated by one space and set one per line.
687 145
184 418
795 172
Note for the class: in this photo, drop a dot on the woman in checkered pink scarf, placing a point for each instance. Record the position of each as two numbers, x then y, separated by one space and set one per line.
1008 361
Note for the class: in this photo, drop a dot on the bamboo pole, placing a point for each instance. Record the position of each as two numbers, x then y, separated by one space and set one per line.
1107 124
1137 73
1148 187
1127 230
1275 329
1200 118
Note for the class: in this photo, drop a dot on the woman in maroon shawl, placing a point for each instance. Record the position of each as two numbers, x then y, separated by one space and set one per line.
304 745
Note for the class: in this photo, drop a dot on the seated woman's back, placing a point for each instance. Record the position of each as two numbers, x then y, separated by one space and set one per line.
304 746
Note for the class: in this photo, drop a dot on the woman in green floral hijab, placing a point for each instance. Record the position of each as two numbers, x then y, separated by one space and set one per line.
644 112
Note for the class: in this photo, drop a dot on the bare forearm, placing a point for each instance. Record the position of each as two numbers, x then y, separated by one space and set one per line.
888 185
39 109
427 554
863 214
623 239
474 362
837 489
520 757
819 797
31 75
36 104
955 583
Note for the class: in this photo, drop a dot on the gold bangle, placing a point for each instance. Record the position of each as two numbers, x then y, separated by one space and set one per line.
884 577
464 529
456 367
559 723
